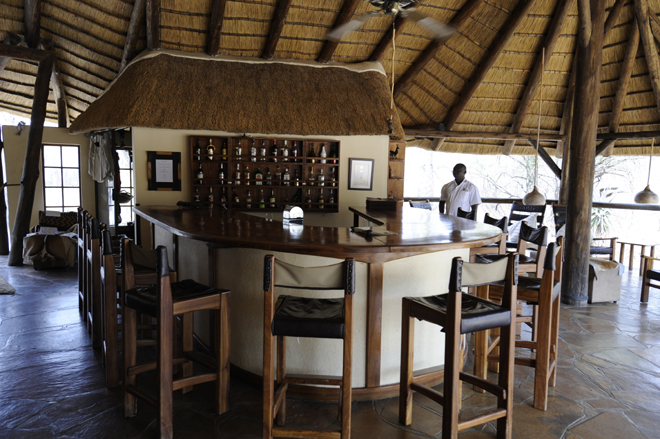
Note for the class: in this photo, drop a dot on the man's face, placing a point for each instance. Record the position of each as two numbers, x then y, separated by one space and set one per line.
459 173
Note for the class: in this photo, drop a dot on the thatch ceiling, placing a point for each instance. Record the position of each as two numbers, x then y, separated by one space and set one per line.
91 39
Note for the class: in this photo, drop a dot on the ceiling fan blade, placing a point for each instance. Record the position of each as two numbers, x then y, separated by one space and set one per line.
339 32
439 30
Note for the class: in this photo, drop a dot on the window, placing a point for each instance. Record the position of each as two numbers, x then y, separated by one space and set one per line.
61 168
127 186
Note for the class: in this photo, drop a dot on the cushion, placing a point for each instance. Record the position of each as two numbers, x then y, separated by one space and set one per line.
307 317
477 314
62 220
143 299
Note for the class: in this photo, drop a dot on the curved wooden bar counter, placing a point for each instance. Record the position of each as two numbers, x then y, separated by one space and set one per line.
417 232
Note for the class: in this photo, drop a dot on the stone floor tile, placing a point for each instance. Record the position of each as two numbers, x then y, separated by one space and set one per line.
607 425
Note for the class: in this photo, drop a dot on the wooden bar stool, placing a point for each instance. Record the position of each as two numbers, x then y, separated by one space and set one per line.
294 316
545 294
459 313
165 300
82 291
93 276
497 248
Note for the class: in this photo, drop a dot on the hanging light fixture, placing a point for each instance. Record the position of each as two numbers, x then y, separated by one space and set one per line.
647 196
535 198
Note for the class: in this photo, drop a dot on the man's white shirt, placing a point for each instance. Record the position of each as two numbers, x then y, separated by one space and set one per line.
464 195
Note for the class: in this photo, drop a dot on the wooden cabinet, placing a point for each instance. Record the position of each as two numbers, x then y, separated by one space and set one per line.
397 161
249 173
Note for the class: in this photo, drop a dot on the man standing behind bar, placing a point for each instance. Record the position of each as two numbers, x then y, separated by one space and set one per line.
459 193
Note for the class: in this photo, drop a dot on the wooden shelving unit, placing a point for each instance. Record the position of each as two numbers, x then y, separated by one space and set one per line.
230 173
397 161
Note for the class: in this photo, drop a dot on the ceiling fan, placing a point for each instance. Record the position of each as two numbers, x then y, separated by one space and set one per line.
393 8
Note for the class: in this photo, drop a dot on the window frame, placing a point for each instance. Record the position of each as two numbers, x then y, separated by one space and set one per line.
62 207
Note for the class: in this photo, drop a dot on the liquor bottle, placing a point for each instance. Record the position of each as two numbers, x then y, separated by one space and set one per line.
246 176
224 151
321 200
223 198
239 151
196 196
321 178
200 174
253 152
332 197
262 151
272 198
258 177
269 178
235 199
294 152
210 149
211 196
311 176
333 178
311 157
221 174
296 177
323 153
286 177
237 174
285 152
333 154
248 201
278 176
274 151
262 202
197 150
308 200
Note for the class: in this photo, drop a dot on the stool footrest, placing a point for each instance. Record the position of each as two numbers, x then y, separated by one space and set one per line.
487 416
489 387
280 393
145 342
526 344
428 392
305 433
141 395
201 358
193 380
328 380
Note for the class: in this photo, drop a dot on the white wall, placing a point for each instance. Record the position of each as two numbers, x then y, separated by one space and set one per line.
15 147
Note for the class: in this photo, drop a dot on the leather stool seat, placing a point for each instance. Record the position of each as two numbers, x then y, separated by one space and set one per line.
305 317
143 299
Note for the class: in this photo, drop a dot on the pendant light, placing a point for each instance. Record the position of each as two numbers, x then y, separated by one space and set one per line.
647 196
536 198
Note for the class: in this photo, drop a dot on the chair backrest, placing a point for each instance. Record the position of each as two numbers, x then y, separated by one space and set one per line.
421 204
521 211
472 215
559 214
537 237
339 276
502 223
473 274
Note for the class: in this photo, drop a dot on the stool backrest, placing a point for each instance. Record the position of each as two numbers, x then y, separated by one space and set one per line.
521 211
339 276
472 215
502 223
473 274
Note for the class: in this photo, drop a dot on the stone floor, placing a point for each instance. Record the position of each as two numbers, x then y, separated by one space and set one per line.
52 385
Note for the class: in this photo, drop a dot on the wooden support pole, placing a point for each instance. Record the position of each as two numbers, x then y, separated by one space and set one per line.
276 29
58 88
432 49
11 39
563 6
650 49
132 33
494 51
32 157
215 26
4 230
583 151
153 24
400 24
32 20
344 16
547 159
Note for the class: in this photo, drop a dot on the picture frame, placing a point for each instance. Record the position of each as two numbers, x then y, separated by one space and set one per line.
360 174
164 171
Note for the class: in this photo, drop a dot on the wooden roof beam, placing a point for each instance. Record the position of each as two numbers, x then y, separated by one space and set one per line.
58 87
650 49
344 16
215 26
432 49
32 19
425 131
535 78
11 39
132 33
276 28
153 24
385 43
547 159
655 25
498 45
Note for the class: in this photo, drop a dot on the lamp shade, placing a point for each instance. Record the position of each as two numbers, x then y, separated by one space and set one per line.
534 198
647 196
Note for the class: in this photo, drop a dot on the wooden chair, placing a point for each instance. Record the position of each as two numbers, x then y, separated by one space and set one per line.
648 275
293 316
498 248
459 313
109 290
544 293
82 257
164 301
472 215
608 250
521 211
93 281
421 204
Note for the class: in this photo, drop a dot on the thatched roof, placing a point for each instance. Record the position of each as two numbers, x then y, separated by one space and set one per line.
91 40
171 90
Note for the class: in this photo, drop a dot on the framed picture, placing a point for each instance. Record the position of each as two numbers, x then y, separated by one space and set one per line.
360 174
164 171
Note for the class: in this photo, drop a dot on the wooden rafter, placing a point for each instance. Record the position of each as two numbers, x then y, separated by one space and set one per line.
58 88
547 159
153 24
400 24
276 28
433 133
493 53
563 6
11 39
347 12
32 19
132 33
432 49
655 25
215 26
650 49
